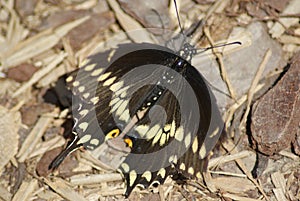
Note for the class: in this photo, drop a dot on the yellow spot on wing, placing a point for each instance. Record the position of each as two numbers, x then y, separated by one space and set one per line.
114 101
173 129
84 139
83 126
89 67
202 152
81 89
76 84
109 81
147 175
125 167
157 137
182 166
152 132
97 72
103 77
69 79
191 170
132 177
195 145
163 139
86 95
84 112
187 140
116 106
142 129
95 100
179 134
116 86
95 142
125 116
162 172
122 107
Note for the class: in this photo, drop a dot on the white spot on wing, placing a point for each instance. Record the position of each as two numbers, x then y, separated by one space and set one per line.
95 100
109 81
83 63
84 139
202 152
116 86
122 107
214 133
94 142
152 132
76 84
179 134
97 72
173 128
81 89
115 107
125 167
111 54
103 77
195 145
86 95
89 67
84 112
117 93
114 101
69 79
187 140
162 139
191 170
157 137
83 126
147 175
132 177
173 159
182 166
162 172
125 116
142 129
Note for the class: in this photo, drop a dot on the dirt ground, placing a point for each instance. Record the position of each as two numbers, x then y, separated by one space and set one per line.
257 86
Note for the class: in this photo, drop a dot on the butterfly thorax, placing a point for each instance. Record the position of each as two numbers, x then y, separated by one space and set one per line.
187 52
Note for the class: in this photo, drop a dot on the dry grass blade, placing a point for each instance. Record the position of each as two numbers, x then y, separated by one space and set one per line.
229 146
134 30
32 139
254 84
5 194
222 67
95 179
10 123
60 187
277 30
225 159
37 44
39 74
26 190
239 198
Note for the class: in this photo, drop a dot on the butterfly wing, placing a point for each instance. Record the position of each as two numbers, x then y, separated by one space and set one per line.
110 95
180 143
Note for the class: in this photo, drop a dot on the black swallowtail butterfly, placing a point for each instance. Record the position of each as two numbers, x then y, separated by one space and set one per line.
155 101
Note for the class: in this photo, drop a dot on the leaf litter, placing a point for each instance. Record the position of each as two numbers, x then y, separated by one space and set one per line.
41 41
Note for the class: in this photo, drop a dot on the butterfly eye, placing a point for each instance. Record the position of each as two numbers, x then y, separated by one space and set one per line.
128 142
112 134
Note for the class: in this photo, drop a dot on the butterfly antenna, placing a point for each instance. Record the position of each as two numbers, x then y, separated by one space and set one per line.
177 15
217 46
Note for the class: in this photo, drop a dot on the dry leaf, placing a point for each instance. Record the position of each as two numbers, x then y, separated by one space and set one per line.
10 122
